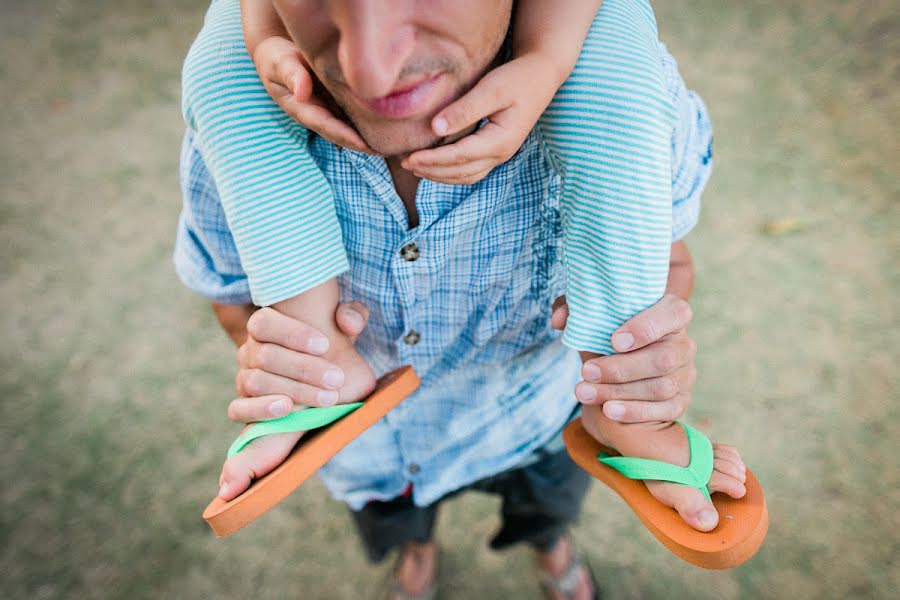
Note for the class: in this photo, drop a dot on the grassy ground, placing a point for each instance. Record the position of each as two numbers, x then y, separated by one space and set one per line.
114 377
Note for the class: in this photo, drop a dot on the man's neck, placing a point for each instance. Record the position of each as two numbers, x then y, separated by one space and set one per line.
407 184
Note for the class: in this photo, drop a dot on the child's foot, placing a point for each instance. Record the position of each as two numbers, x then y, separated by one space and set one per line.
667 442
258 458
358 378
265 453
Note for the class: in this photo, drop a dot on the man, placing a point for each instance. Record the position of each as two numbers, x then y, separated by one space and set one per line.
468 309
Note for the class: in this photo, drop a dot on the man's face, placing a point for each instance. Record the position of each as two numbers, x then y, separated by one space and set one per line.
391 65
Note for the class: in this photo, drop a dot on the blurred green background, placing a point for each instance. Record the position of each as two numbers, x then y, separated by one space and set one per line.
115 377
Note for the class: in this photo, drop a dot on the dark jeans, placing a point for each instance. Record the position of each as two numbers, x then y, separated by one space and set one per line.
540 501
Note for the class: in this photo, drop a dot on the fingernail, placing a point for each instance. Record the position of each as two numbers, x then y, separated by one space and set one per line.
441 126
333 377
585 393
614 410
318 344
623 341
222 489
707 517
327 397
591 373
279 408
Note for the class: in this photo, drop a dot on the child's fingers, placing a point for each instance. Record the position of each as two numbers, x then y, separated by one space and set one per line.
293 74
486 98
317 118
458 175
483 144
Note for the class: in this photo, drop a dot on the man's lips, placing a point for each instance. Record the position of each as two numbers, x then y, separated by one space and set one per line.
407 101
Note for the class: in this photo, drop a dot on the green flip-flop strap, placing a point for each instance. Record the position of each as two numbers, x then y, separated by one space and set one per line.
696 474
301 420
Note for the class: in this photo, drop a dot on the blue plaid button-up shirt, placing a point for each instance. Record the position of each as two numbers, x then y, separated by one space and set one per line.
471 313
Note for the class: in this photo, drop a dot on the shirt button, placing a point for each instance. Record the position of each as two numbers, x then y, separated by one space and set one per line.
413 468
412 338
410 252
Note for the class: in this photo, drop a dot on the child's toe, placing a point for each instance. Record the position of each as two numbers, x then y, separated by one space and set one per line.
727 467
721 482
690 503
257 459
729 452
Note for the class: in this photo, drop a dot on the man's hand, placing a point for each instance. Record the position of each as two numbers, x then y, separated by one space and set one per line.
652 376
281 364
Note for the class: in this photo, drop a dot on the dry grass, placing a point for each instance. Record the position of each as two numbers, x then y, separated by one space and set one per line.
115 378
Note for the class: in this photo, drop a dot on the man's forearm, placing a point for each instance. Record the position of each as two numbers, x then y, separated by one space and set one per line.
681 272
233 319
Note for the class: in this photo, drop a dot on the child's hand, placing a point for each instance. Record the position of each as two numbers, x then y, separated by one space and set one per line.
513 96
285 76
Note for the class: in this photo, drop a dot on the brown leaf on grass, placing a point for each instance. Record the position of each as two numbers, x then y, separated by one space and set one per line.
777 227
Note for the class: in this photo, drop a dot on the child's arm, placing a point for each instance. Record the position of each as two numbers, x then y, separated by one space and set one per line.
546 45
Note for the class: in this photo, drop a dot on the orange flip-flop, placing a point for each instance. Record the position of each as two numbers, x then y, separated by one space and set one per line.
313 450
743 522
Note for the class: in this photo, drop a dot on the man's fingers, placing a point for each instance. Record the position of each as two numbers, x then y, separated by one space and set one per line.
560 313
663 358
637 411
667 316
261 408
298 366
654 389
255 382
486 98
351 318
269 325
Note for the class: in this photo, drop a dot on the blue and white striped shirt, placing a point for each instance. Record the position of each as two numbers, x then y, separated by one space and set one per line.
497 381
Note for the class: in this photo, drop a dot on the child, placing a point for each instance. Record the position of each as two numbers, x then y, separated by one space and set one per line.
616 201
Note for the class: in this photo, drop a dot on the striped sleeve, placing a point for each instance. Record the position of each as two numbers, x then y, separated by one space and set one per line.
277 203
609 133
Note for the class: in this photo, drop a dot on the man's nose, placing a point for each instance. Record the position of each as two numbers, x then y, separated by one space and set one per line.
376 42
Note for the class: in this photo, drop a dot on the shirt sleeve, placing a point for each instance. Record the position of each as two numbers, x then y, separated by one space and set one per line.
692 139
206 258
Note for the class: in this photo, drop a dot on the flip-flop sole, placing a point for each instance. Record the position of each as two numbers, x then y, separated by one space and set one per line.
743 522
313 450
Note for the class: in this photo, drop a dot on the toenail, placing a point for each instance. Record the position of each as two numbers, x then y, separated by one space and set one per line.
707 517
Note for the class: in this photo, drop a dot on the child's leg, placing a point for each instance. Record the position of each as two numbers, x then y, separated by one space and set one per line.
609 130
278 206
277 202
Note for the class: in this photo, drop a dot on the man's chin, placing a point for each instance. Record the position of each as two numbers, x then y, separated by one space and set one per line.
390 140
